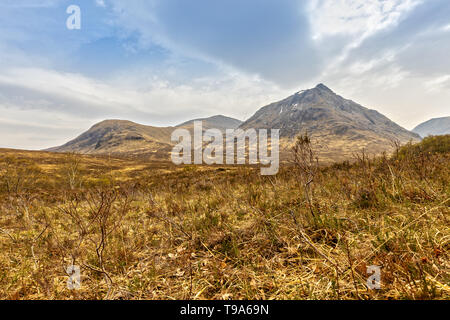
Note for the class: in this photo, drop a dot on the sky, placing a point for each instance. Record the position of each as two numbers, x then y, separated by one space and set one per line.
162 62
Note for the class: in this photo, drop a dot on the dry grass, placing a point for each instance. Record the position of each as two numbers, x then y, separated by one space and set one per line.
154 231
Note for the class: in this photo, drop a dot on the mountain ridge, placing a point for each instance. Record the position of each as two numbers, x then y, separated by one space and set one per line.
118 137
435 127
338 126
220 122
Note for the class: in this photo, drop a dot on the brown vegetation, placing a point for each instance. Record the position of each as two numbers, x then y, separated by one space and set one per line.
155 231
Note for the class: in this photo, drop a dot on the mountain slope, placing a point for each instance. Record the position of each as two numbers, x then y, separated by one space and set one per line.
433 127
216 122
121 137
338 126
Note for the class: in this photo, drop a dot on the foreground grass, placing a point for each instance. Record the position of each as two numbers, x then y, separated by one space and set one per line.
155 231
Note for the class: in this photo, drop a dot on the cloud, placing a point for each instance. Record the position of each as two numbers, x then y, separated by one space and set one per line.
61 102
269 38
287 42
100 3
357 18
28 3
418 39
438 84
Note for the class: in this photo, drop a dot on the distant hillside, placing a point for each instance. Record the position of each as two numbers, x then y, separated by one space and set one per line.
433 127
121 137
339 127
216 122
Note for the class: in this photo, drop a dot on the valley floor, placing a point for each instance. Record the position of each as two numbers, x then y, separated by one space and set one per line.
155 231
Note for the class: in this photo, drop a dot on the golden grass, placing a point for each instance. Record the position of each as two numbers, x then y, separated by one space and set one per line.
155 231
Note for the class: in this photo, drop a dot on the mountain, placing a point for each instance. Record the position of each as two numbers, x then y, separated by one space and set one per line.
216 122
338 127
121 137
433 127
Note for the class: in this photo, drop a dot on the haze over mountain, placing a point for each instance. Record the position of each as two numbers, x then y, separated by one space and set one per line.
216 122
434 127
339 128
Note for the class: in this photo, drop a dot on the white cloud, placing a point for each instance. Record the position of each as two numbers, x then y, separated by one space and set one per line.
438 84
354 17
446 27
267 38
28 3
100 3
68 103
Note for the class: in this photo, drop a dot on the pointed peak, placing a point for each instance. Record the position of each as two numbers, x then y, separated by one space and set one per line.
321 86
